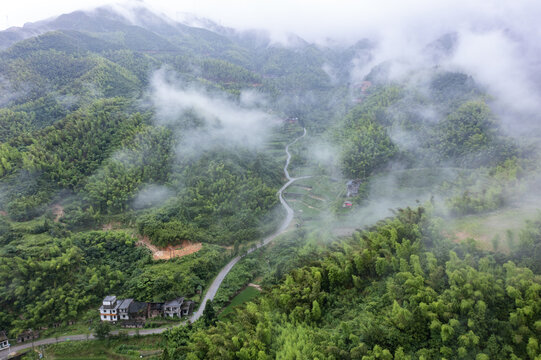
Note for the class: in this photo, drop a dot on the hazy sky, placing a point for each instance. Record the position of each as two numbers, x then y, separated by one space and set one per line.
315 19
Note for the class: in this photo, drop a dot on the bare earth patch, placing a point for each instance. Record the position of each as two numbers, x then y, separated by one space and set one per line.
169 252
255 286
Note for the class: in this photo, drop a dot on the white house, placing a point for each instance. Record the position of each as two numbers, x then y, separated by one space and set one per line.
109 309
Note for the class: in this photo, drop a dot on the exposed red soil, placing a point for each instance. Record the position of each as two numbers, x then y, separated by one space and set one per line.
169 252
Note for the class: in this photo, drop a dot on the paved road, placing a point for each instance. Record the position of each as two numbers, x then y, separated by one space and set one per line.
4 354
213 288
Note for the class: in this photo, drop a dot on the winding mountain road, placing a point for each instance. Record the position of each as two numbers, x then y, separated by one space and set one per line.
213 288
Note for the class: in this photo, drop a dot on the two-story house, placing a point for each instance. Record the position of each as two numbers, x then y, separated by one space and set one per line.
173 307
123 309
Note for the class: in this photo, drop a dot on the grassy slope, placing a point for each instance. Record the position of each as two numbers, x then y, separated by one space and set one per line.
244 296
485 227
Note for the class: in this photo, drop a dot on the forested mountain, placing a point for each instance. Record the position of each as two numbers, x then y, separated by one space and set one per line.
79 134
124 138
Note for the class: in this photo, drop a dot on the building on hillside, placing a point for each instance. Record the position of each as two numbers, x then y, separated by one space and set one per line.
138 311
353 187
172 308
132 313
136 315
154 310
27 335
4 342
109 309
123 308
347 204
187 307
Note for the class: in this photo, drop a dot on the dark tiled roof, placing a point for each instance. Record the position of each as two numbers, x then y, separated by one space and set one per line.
124 304
3 336
137 306
175 302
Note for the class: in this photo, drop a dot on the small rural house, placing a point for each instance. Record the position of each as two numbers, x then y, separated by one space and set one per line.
109 308
4 343
136 315
138 311
187 308
154 310
178 307
353 187
172 308
123 309
27 335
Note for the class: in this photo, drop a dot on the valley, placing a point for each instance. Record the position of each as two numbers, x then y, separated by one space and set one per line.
172 188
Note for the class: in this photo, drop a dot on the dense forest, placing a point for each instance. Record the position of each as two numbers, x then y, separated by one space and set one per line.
123 138
81 143
400 290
